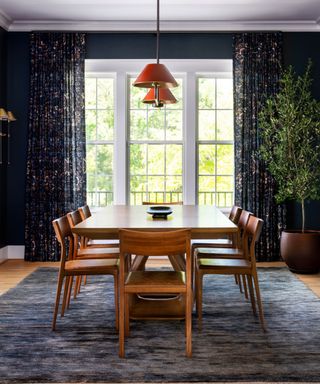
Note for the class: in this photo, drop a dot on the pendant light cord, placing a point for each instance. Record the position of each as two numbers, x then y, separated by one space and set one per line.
158 29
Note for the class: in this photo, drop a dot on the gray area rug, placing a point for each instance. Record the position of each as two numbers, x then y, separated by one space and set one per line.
231 346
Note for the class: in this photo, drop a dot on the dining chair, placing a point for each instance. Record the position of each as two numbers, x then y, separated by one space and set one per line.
228 241
139 261
85 213
173 243
81 251
242 263
71 267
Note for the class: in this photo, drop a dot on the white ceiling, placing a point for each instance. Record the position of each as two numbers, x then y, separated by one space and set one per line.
175 15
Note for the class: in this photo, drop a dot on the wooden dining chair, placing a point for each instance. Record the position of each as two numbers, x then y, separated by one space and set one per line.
71 266
154 282
85 213
228 241
242 263
83 252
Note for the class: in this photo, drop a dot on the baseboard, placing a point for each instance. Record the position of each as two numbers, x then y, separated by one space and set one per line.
15 252
3 254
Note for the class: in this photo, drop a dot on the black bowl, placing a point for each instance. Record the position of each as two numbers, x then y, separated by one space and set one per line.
159 211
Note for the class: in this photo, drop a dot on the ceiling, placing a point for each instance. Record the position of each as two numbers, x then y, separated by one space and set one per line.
175 15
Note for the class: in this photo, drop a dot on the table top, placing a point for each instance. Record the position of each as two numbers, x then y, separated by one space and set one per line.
204 221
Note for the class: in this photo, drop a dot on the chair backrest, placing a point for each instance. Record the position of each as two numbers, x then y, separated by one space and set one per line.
235 213
84 211
242 223
64 235
75 218
154 243
164 203
251 236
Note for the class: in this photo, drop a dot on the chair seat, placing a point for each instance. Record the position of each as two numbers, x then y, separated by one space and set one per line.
211 242
91 266
223 263
102 243
219 253
98 253
155 282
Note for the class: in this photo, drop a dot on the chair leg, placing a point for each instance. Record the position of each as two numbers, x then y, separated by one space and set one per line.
199 299
116 298
65 294
261 316
252 298
189 324
69 292
245 287
240 284
121 325
236 279
85 280
75 292
58 294
127 316
79 284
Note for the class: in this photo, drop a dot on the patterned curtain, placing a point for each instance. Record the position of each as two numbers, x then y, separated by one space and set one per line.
257 59
56 181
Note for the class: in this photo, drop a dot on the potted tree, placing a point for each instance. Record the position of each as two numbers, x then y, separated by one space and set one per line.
290 132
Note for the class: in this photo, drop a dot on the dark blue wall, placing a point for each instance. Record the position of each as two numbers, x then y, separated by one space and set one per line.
298 47
3 166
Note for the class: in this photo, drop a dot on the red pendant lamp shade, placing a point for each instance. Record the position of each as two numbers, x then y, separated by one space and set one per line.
165 97
157 77
155 74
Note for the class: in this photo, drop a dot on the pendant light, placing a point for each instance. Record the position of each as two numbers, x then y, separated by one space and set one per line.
157 76
159 96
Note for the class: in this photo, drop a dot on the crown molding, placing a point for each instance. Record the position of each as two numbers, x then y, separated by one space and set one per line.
5 21
166 26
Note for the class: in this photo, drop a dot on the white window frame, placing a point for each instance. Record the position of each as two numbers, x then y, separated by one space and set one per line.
189 70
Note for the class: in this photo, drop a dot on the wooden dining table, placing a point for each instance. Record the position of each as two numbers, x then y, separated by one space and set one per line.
205 222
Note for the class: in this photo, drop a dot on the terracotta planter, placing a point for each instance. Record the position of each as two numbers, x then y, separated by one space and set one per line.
301 251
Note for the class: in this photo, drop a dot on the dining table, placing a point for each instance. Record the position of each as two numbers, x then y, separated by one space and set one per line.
204 222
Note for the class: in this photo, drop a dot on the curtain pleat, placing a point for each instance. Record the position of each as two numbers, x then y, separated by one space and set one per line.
257 59
56 179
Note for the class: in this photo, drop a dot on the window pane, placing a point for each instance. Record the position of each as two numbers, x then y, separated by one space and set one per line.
90 93
155 183
105 93
207 125
156 124
174 125
224 183
225 159
138 159
91 121
207 155
224 125
138 125
155 159
207 183
178 94
105 125
174 159
206 93
136 96
224 93
104 159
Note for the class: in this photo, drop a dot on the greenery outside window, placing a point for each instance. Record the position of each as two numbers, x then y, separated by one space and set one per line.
215 141
99 104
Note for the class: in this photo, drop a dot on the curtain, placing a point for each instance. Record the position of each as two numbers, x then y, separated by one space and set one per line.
257 59
56 180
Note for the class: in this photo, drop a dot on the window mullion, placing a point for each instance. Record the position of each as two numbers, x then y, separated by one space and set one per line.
189 163
120 140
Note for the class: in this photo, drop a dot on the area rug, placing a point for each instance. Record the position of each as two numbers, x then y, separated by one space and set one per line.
231 346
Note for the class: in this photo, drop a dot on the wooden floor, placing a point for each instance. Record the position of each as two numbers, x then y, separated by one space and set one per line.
13 271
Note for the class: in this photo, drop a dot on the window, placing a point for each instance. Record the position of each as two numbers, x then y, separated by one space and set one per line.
181 152
99 137
155 148
215 141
